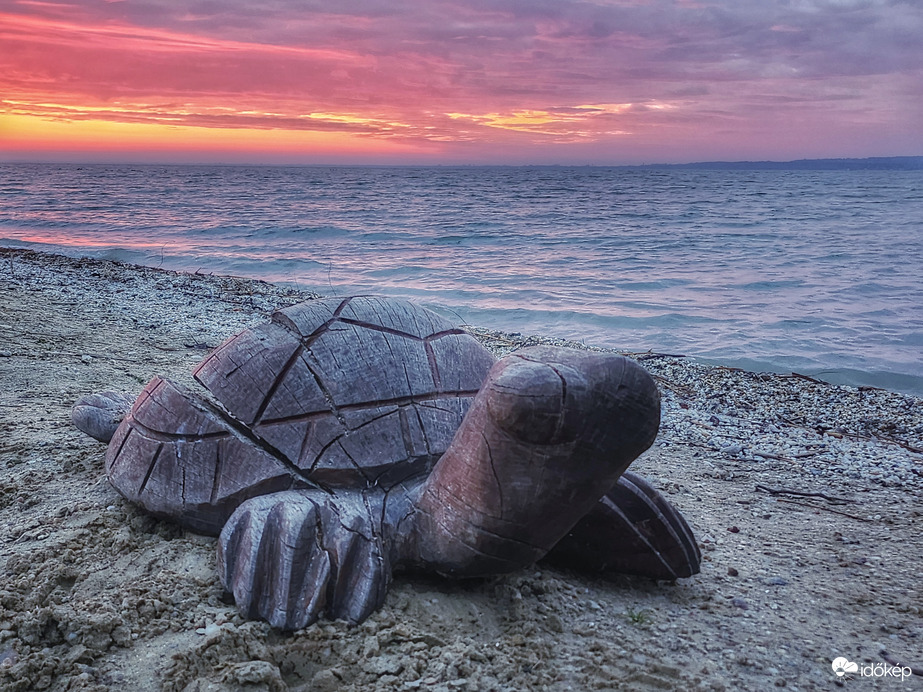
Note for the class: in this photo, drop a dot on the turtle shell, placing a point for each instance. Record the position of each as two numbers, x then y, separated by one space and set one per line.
342 393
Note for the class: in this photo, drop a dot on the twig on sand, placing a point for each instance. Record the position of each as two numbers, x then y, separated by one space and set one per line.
900 443
728 368
853 436
821 507
805 455
650 355
785 491
680 389
799 376
877 438
767 455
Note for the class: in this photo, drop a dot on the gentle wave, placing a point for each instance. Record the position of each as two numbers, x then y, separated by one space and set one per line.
770 270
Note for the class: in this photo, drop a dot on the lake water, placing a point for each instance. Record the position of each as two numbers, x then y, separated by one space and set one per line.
820 272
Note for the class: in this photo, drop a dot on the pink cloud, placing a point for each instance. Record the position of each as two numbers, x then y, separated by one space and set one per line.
739 78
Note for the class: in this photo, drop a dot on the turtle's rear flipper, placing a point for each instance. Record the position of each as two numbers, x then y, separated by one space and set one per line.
632 530
99 415
294 556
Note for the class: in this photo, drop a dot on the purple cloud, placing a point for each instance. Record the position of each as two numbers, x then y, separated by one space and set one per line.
526 73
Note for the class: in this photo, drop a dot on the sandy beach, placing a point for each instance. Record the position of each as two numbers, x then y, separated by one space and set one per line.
804 497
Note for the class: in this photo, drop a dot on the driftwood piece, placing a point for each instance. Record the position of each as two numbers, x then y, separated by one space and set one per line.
292 410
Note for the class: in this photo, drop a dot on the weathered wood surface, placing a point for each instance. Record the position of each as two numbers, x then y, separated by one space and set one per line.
354 435
548 435
177 458
345 390
633 529
290 558
346 393
99 415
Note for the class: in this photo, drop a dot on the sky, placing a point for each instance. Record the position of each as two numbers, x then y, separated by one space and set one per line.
459 81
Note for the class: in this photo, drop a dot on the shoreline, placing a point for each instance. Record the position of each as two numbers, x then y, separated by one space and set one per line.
838 377
821 483
836 368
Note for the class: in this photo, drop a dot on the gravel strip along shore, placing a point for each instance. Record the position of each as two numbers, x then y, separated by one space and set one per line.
805 498
831 432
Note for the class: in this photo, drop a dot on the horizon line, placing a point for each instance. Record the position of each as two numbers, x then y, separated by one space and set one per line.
266 164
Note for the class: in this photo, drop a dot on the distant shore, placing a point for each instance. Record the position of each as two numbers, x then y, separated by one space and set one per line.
875 163
804 497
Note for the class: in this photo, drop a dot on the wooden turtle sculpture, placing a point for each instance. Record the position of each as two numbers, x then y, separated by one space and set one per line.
347 439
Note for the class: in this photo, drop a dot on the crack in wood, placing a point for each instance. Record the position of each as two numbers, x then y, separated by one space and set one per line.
561 416
117 457
422 399
433 365
328 396
407 379
426 445
298 418
282 320
216 478
321 543
374 526
276 383
244 434
493 470
406 437
150 469
355 463
165 437
380 328
321 453
305 442
428 403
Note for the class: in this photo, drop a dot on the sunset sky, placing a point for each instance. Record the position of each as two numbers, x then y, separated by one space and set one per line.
459 81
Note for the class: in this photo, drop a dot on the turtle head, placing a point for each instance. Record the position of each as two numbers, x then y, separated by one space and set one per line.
551 396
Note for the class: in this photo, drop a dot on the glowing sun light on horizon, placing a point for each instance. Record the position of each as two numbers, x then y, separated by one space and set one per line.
29 133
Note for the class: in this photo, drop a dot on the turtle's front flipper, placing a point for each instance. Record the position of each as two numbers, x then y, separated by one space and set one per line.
99 415
292 557
550 431
633 529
